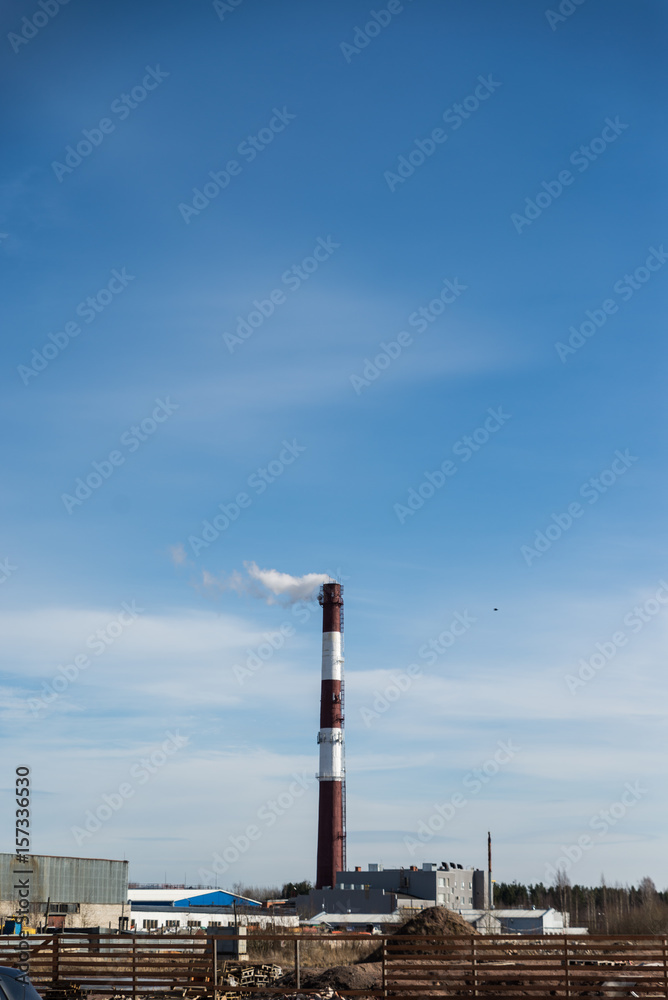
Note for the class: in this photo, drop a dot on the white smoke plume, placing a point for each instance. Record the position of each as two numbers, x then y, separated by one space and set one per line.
270 585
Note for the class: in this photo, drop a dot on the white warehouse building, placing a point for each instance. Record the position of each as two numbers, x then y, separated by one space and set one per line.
511 921
182 908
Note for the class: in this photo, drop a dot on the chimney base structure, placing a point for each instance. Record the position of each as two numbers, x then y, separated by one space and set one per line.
331 856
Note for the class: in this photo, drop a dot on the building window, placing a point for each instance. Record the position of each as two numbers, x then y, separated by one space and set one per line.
150 925
194 923
470 885
215 923
172 923
441 881
463 886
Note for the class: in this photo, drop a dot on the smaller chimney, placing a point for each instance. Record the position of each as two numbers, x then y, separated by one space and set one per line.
490 884
358 869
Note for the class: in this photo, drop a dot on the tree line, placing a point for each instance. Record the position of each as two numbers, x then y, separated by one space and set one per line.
603 909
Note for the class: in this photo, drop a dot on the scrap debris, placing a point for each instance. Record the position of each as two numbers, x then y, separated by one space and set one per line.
238 974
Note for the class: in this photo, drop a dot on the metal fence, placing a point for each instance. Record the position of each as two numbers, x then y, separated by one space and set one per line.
526 966
132 964
411 967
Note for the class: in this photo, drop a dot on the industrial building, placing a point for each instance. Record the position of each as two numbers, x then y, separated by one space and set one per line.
368 923
390 890
182 908
64 892
511 921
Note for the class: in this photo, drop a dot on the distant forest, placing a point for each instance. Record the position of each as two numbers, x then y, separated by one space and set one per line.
604 909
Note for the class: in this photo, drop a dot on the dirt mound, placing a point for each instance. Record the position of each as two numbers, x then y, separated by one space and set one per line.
339 977
436 920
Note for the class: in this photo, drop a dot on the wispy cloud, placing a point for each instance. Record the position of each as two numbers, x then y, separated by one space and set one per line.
178 554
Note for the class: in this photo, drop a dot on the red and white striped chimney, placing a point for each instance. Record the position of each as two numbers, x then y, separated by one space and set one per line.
331 806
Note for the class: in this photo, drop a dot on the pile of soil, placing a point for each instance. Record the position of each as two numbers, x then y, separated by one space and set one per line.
436 920
339 977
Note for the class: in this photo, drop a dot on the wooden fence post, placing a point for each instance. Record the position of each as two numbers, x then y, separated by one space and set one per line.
384 968
567 983
665 967
134 966
55 959
214 964
298 968
473 965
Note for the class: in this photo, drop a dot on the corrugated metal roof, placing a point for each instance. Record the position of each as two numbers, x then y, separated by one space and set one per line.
199 897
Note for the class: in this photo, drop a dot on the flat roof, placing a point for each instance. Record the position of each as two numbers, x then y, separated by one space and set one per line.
65 857
356 918
509 913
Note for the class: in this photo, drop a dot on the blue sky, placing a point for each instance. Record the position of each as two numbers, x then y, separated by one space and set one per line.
500 203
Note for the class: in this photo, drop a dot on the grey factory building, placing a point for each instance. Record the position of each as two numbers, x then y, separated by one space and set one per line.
386 890
65 892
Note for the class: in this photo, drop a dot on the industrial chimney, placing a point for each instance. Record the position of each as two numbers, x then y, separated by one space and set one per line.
332 794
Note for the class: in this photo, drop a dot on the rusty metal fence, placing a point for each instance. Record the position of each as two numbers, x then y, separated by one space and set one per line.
410 967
